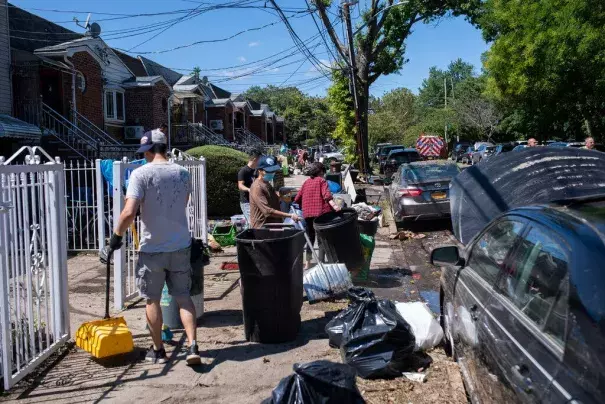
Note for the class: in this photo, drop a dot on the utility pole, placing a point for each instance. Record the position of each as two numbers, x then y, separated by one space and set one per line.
363 161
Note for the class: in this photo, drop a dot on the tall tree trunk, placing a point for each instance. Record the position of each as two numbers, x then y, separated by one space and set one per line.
363 99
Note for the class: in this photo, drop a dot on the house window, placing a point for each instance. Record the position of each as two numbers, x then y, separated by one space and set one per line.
114 105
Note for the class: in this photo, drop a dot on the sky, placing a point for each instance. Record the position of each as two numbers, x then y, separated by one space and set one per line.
251 46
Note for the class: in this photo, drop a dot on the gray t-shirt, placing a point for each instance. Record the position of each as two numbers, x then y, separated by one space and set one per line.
163 191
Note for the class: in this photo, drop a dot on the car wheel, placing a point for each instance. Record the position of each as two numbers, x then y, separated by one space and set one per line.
447 316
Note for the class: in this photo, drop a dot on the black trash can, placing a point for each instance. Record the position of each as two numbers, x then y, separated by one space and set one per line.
339 236
271 267
368 227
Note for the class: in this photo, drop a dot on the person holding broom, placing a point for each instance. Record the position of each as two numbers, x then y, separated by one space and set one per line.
315 199
161 189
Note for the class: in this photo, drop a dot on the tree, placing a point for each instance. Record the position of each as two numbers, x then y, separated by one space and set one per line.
475 111
305 116
432 92
547 62
341 106
391 116
196 72
380 40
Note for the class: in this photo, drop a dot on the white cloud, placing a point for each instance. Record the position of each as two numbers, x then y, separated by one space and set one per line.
242 59
314 71
253 44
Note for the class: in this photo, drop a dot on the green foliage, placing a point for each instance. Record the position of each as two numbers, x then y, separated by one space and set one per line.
222 165
547 64
341 106
392 115
305 116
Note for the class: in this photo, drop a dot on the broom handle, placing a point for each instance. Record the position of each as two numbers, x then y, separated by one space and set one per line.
310 245
108 276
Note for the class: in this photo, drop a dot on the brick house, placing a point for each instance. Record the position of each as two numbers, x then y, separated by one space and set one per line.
220 115
258 124
280 133
242 114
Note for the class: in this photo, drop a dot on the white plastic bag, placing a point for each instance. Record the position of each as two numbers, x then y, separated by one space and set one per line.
426 329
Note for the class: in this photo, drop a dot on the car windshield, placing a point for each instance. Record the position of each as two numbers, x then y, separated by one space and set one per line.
405 157
421 173
490 148
386 150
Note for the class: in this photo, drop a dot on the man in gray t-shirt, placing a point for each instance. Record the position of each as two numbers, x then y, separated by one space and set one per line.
161 190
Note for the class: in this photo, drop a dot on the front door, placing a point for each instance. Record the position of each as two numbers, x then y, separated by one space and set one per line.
473 292
51 89
528 315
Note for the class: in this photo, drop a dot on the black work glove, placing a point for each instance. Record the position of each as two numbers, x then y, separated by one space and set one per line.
115 242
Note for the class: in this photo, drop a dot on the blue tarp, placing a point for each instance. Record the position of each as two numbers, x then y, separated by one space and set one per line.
107 170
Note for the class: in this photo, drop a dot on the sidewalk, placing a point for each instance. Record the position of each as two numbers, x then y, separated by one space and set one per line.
234 371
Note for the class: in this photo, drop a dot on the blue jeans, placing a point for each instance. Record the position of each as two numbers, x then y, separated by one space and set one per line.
246 211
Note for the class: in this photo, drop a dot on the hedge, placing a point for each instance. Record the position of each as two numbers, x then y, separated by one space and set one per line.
222 166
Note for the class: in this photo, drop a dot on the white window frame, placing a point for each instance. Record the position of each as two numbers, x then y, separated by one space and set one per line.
115 105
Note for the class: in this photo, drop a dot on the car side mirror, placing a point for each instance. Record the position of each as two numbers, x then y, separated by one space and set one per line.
447 256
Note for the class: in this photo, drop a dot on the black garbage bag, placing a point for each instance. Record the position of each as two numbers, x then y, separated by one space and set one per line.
322 382
376 340
335 327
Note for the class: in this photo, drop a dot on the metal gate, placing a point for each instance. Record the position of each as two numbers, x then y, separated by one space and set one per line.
125 259
34 309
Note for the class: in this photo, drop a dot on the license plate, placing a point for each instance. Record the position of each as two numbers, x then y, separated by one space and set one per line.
439 195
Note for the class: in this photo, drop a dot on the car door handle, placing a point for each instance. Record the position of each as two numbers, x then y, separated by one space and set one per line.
520 374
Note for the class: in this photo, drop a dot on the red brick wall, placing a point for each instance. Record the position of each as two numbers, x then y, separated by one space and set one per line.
147 106
215 113
89 103
199 111
257 126
161 92
139 107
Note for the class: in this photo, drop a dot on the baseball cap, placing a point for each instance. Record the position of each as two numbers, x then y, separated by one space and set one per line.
268 164
150 138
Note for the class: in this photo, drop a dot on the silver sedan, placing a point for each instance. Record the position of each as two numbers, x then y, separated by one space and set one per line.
420 190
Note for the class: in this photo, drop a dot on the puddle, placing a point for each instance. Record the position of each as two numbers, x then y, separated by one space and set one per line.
431 298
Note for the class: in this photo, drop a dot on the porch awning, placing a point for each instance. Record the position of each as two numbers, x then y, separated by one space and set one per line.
14 128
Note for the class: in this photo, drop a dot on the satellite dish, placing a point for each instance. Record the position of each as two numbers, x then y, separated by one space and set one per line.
95 30
205 79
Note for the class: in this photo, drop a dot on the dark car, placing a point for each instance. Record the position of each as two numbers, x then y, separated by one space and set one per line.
523 305
384 153
420 190
377 150
398 157
502 148
459 150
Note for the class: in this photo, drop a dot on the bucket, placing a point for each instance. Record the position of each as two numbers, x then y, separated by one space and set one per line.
332 281
170 309
239 221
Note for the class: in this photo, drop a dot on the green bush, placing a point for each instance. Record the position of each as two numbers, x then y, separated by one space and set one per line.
222 165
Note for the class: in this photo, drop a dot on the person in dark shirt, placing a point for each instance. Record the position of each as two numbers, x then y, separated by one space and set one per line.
245 178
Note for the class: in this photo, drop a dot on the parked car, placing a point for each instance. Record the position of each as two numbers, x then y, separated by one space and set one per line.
420 190
458 150
502 148
398 157
523 308
519 147
384 153
377 150
597 146
484 151
465 158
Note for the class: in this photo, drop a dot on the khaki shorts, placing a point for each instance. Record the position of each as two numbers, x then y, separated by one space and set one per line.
174 268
